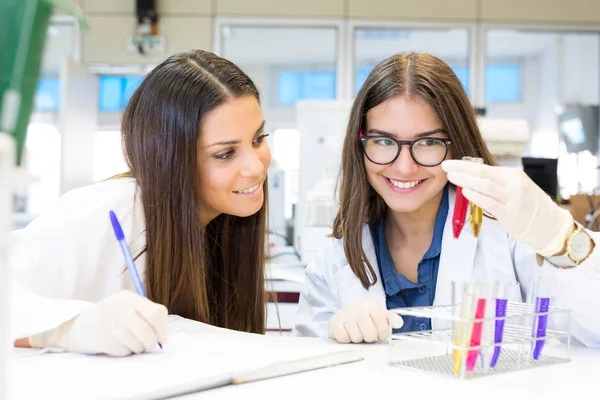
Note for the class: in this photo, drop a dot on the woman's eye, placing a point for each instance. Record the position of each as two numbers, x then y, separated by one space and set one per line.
260 139
384 142
430 142
223 156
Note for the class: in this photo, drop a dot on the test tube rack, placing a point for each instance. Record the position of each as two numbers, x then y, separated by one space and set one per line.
436 350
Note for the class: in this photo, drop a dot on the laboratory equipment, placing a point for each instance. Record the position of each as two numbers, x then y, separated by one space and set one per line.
277 220
460 209
460 212
540 296
541 308
475 218
461 335
579 128
476 333
321 206
543 172
322 126
500 313
506 139
475 212
466 337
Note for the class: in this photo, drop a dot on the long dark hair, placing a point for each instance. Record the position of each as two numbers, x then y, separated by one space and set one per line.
419 76
213 274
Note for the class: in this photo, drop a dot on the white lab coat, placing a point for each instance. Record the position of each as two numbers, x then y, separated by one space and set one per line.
330 283
69 258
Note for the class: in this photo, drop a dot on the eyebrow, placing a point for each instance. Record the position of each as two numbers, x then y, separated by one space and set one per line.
419 135
230 142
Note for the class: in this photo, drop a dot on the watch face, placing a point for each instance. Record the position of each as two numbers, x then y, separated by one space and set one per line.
580 246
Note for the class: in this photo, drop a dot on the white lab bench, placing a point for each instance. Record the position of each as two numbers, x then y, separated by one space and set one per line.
373 379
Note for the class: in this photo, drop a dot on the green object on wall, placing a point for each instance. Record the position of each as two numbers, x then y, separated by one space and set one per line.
23 26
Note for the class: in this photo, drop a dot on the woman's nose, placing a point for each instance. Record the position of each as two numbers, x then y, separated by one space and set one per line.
405 162
253 165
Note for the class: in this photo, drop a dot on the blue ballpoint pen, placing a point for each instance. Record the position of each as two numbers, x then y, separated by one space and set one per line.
133 272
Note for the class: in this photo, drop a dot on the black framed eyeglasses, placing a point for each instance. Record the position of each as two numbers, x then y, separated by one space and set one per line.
427 152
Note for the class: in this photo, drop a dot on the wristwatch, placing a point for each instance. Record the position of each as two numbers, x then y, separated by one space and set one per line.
578 246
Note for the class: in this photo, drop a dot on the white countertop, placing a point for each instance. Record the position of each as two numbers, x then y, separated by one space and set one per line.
374 379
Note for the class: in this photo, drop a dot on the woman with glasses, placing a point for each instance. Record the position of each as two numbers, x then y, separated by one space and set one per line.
393 244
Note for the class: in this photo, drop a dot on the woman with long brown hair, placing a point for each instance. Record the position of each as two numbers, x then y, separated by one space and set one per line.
193 207
393 244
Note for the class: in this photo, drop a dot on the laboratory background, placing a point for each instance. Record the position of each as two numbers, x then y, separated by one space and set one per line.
531 69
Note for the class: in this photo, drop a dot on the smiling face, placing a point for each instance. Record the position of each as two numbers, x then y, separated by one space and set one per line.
233 158
404 185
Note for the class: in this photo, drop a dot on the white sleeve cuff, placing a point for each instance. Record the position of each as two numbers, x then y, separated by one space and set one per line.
30 314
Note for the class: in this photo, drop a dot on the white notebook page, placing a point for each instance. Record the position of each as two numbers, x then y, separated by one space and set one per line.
196 353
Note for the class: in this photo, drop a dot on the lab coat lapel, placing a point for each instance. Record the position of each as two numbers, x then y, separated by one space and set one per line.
457 256
348 285
376 291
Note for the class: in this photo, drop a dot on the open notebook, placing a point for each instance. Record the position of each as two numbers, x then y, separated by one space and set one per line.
197 357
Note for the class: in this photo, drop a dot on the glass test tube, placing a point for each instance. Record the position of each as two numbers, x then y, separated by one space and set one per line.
475 212
463 301
541 300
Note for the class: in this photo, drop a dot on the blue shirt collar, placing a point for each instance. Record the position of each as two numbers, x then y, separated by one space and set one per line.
394 282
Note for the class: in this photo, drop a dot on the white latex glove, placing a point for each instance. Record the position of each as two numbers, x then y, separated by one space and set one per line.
363 321
526 212
119 325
